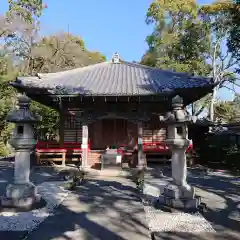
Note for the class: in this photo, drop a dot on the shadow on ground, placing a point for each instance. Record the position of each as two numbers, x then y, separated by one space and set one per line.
37 176
111 209
221 193
99 209
6 173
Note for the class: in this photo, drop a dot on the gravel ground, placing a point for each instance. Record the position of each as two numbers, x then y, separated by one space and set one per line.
52 192
160 221
220 191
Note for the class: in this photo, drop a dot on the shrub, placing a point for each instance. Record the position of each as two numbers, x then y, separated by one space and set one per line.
220 151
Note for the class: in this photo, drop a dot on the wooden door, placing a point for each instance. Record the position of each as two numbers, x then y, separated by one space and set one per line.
111 132
108 132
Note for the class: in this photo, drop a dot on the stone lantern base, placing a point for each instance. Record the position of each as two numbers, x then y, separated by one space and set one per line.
23 196
179 197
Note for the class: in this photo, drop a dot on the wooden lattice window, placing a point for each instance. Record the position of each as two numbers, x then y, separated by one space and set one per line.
72 122
72 129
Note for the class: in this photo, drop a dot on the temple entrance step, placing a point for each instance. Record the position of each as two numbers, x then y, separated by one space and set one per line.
112 172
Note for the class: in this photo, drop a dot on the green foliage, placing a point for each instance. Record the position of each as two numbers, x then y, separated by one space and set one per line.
228 111
29 10
224 111
190 38
233 40
22 45
60 52
221 151
180 41
226 14
7 98
177 40
149 59
50 120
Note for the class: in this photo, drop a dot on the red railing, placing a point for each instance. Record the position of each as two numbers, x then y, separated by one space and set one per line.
160 147
54 145
155 147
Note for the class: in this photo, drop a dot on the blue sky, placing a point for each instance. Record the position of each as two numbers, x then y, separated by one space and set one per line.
106 26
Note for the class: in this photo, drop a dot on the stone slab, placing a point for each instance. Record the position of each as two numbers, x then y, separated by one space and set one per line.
178 203
172 191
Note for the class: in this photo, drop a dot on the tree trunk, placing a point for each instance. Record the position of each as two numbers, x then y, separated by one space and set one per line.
211 109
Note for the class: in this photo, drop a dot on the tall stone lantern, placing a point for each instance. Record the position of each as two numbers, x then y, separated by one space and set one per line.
22 193
178 193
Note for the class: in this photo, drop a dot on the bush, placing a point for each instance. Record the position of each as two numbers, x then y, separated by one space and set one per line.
220 151
4 151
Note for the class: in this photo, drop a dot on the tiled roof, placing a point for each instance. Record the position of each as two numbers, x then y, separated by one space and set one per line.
108 78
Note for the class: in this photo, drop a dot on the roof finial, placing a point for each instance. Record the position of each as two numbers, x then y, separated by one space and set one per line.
116 58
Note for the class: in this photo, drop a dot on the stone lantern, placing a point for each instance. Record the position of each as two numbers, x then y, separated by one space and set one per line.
178 193
22 193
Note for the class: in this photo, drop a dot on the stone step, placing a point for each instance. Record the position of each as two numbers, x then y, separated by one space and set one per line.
109 172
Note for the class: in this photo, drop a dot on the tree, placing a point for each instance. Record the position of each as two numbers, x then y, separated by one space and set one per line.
224 111
236 104
233 42
180 40
149 58
231 10
7 98
29 10
228 111
177 37
190 38
50 120
222 62
60 52
56 53
26 53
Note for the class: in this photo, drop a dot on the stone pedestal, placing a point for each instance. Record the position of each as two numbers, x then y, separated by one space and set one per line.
179 197
22 193
21 196
179 194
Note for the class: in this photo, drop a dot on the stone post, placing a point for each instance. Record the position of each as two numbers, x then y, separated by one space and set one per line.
178 193
179 167
22 193
84 145
141 160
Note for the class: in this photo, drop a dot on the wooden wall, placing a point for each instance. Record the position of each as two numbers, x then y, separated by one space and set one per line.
109 132
153 131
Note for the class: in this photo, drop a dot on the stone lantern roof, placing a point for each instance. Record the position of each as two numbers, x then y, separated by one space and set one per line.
178 114
22 114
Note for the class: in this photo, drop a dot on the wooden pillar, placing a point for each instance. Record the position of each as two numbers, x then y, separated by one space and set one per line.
84 145
141 160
